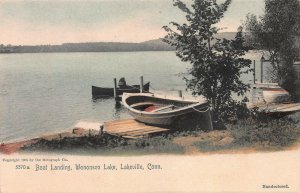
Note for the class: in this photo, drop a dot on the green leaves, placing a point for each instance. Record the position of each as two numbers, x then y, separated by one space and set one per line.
216 63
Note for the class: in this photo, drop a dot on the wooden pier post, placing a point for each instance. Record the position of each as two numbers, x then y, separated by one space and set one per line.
180 93
101 130
142 84
254 71
117 100
115 88
262 69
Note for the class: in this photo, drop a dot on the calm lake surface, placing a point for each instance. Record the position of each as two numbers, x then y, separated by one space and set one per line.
51 92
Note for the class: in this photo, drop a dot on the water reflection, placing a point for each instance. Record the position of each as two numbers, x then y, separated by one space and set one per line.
119 110
116 109
96 99
117 105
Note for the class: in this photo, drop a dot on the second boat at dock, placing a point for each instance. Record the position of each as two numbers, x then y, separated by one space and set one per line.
103 91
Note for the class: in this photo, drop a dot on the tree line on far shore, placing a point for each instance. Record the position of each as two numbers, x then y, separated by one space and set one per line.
151 45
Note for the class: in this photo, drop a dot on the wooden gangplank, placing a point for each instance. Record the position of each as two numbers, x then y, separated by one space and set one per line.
131 129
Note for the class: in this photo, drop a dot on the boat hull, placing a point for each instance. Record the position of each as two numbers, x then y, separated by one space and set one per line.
192 113
276 95
109 92
170 120
280 110
273 101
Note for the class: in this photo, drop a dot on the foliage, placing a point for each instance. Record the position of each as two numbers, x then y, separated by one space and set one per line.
259 134
106 145
275 133
275 32
217 64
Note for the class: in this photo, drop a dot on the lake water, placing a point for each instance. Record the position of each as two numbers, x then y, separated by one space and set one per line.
51 92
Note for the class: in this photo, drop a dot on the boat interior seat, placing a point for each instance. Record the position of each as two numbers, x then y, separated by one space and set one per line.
141 104
163 108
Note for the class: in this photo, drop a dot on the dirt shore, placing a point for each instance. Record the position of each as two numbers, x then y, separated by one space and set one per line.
14 147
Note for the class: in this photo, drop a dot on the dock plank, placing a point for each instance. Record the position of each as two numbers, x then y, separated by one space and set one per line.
145 133
118 122
131 129
142 131
124 128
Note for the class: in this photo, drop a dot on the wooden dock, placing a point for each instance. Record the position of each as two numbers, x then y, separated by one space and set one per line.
131 129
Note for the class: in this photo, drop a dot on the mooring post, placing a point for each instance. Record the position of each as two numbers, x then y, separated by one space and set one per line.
101 130
142 85
115 89
254 69
180 93
262 69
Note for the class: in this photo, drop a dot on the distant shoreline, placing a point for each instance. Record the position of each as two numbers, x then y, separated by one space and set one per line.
151 45
8 53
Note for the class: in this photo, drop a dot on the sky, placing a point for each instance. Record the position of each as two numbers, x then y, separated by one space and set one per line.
56 22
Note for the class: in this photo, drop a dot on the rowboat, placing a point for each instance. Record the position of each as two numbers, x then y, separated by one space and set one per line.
278 110
162 111
101 91
272 100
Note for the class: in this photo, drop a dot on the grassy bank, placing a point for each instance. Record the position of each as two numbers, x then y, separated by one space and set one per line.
270 135
106 145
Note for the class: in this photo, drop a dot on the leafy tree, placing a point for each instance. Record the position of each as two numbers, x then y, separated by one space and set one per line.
275 32
217 64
